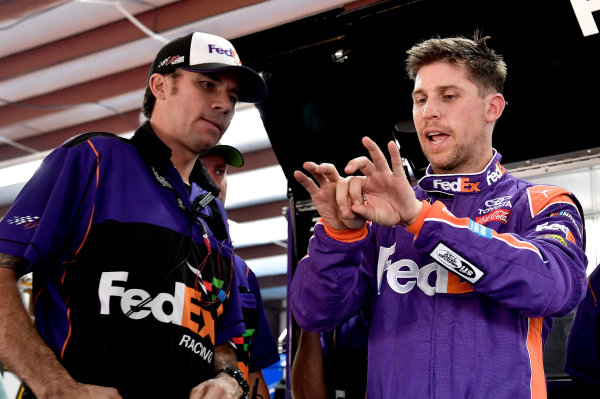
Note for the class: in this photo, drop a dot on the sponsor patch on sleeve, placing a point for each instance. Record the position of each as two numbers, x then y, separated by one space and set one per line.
480 229
457 264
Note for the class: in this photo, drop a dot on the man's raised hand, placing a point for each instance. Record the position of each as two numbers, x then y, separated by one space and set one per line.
333 208
382 195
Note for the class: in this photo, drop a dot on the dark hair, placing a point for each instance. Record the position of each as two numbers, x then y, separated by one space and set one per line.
486 68
150 99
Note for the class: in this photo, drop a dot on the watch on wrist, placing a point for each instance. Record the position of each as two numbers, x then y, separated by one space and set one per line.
239 377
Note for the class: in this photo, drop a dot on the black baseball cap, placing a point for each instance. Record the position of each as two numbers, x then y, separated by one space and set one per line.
203 52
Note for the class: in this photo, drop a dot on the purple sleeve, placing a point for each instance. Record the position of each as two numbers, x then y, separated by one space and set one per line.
539 270
330 285
231 322
583 351
44 211
264 352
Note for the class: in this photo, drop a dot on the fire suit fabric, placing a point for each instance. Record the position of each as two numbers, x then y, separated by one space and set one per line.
126 290
345 352
583 342
463 298
256 348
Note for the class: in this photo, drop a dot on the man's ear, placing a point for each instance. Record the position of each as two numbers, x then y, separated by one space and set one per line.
157 85
495 107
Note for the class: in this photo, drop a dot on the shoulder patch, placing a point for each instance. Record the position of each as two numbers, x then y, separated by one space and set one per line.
83 137
540 197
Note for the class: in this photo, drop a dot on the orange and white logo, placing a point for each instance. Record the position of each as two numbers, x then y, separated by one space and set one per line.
461 185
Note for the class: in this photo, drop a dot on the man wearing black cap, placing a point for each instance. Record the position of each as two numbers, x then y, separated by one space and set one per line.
130 254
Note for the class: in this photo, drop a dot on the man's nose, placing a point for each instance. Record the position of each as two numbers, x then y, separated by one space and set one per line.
222 101
431 110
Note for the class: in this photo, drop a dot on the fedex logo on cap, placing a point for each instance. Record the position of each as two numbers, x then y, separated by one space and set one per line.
230 52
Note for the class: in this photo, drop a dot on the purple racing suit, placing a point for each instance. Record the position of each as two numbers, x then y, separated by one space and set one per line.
463 298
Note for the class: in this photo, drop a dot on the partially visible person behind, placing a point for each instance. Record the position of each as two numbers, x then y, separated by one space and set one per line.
332 364
256 348
583 343
135 294
467 269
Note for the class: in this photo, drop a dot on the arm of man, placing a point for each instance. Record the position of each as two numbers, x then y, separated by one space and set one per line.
333 281
222 385
258 384
308 379
26 354
537 268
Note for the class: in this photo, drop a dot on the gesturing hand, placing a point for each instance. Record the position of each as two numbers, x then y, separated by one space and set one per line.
382 195
333 208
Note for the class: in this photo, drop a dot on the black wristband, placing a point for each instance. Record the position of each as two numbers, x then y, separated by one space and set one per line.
239 377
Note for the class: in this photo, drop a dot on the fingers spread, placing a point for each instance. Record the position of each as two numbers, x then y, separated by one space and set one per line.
397 167
322 174
355 189
328 171
306 182
341 194
376 155
361 163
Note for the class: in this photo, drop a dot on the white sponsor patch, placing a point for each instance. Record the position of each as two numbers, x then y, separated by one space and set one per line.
456 264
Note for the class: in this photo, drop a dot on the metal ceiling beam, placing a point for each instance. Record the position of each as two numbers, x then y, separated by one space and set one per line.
50 140
92 91
261 211
261 251
115 34
13 9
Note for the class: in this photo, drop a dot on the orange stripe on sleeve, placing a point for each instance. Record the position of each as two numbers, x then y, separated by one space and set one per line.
62 352
512 241
439 212
347 235
97 162
81 245
415 226
534 346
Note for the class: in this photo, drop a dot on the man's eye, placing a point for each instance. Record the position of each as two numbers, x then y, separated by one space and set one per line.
449 96
207 84
420 100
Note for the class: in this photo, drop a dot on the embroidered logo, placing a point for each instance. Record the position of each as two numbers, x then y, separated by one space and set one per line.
480 229
28 222
567 215
164 182
496 203
556 238
176 59
457 264
496 174
556 226
498 215
461 185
